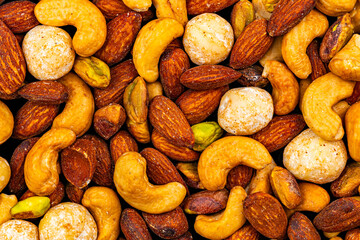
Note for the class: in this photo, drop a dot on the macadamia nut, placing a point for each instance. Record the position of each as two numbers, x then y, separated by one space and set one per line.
245 111
208 39
68 221
18 229
48 52
308 157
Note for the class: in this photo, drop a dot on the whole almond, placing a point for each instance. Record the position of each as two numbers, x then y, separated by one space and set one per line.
301 228
74 193
251 45
195 7
208 77
168 119
246 232
317 65
111 8
122 142
265 214
45 92
347 184
19 16
173 63
287 14
33 118
239 176
133 225
198 105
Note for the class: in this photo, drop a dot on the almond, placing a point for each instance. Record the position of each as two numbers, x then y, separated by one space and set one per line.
301 228
133 225
347 184
287 14
195 7
121 34
251 45
239 176
318 67
111 8
122 142
12 96
32 119
208 77
355 97
265 214
247 232
168 119
280 131
74 193
252 77
198 105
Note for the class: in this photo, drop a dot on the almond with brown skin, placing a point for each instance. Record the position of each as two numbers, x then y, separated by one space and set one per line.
340 215
186 236
317 65
168 119
353 234
121 34
167 225
206 202
176 43
74 193
121 75
195 7
239 176
33 118
19 16
191 175
133 225
45 92
347 184
122 142
251 45
12 61
208 77
280 131
355 97
182 154
247 232
198 105
301 228
265 214
252 77
12 96
287 14
111 8
173 63
78 162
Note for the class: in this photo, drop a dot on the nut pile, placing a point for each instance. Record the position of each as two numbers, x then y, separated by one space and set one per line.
180 119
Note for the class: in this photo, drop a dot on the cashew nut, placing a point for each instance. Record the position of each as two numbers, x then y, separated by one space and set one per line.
296 41
175 9
6 203
352 125
79 109
5 173
317 104
83 14
335 8
151 42
226 153
105 206
138 5
134 187
285 87
40 168
222 225
6 123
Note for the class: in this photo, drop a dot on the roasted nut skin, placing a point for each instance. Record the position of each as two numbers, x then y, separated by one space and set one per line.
133 225
317 65
301 228
6 123
348 182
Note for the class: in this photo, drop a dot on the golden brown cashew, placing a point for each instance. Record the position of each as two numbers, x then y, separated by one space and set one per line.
175 9
83 14
6 203
5 173
317 104
352 124
133 186
138 5
226 153
79 109
40 169
296 41
222 225
6 122
105 206
335 8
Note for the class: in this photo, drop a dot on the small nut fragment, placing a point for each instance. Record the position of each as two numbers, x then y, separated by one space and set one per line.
205 133
5 173
19 229
252 77
6 122
6 203
32 207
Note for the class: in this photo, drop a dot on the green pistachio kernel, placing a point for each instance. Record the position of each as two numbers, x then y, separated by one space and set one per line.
32 207
205 133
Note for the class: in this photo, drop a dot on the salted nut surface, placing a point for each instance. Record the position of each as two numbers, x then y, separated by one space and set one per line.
179 119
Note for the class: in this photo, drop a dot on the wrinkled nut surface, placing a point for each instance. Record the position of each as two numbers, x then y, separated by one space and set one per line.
205 133
133 225
348 182
226 153
317 65
105 206
19 229
68 221
48 52
122 142
5 173
300 227
74 193
239 176
32 207
6 122
40 169
6 203
222 225
91 32
247 232
133 186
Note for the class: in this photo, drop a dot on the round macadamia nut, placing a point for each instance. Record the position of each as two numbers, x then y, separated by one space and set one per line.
308 157
208 39
48 52
68 221
245 111
18 229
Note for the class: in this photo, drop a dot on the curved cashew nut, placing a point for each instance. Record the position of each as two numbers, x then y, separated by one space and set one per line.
296 41
151 42
105 206
133 186
222 225
352 125
79 109
317 104
6 122
40 168
285 87
83 14
226 153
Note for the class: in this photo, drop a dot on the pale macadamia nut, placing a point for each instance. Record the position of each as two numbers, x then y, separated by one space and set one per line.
308 157
18 229
68 221
245 111
208 39
48 52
